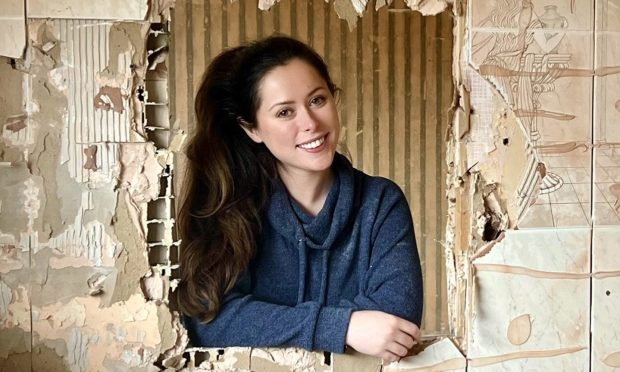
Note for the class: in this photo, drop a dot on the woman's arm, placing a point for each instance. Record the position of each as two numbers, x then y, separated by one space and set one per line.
246 321
392 286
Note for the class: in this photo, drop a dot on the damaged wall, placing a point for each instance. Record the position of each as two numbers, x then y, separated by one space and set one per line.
534 166
78 171
87 155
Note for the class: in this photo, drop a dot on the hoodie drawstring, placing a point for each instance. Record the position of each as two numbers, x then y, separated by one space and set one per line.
303 267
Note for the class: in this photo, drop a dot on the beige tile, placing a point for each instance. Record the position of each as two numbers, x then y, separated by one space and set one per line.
542 199
599 194
565 194
604 160
481 14
565 250
565 16
579 175
614 173
551 313
605 324
574 159
608 50
569 215
578 15
482 44
607 195
605 255
532 294
601 175
607 92
538 215
561 172
607 15
583 191
569 98
575 359
607 114
604 214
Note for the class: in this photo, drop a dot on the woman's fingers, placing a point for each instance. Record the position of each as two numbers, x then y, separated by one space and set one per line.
397 349
411 329
405 339
392 335
389 357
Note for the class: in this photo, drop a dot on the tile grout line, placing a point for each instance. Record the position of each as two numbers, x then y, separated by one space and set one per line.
592 170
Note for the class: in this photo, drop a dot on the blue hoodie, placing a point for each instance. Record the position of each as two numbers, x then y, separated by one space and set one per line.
310 273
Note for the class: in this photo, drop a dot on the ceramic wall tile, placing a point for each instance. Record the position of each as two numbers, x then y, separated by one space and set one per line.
607 15
606 207
573 360
605 320
549 86
531 297
559 250
607 90
565 199
605 257
551 14
606 210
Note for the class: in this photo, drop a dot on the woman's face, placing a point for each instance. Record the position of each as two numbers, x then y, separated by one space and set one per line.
297 118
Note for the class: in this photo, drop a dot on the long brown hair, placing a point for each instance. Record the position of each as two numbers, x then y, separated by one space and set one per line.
228 176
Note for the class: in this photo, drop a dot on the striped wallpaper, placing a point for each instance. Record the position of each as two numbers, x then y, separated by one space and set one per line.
395 72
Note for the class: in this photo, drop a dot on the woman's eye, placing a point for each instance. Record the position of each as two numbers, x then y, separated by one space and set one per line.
318 100
284 113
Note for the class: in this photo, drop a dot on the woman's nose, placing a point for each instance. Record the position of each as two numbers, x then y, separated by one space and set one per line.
309 122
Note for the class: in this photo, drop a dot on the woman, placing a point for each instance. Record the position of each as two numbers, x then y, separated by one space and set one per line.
284 243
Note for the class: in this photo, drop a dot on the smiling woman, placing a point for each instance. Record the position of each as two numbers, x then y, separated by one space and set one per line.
394 69
284 243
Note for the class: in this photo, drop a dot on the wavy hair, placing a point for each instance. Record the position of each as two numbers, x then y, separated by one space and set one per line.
228 177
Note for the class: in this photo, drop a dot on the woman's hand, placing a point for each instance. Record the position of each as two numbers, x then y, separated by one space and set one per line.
382 335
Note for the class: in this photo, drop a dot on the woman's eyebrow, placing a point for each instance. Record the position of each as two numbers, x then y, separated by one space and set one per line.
289 102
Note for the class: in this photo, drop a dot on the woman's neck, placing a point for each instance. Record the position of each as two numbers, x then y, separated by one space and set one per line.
308 189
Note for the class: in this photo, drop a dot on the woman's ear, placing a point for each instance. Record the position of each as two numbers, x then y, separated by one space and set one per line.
249 130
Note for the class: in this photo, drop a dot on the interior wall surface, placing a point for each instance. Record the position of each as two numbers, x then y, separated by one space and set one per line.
533 207
78 175
395 71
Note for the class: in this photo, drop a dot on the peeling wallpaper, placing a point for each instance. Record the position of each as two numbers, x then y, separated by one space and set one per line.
87 159
77 290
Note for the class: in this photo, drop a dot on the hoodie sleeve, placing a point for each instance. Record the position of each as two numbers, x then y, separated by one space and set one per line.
246 321
393 281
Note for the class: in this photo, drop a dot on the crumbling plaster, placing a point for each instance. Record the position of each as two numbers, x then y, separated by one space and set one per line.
78 290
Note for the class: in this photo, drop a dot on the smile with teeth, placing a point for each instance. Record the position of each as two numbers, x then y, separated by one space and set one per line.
312 145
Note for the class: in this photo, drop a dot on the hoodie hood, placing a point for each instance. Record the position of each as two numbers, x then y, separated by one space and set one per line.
320 232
